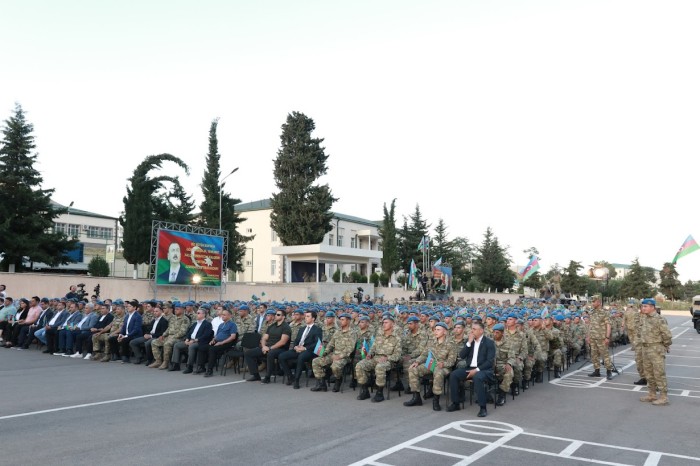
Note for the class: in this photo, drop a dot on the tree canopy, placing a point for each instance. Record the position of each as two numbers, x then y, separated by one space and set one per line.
492 264
389 237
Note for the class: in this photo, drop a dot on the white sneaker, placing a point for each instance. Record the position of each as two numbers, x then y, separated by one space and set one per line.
59 354
88 356
77 355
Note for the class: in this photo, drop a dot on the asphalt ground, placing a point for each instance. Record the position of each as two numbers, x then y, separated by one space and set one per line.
56 410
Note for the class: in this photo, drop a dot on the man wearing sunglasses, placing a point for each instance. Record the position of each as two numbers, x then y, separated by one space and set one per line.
274 342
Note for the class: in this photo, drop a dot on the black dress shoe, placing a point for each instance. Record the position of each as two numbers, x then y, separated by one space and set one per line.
139 361
200 370
46 351
188 370
453 407
265 380
296 385
253 378
482 412
289 381
209 374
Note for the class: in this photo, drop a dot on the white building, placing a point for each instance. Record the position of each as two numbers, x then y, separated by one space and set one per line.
352 245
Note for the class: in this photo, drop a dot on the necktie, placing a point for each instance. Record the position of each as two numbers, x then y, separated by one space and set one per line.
303 336
260 321
173 276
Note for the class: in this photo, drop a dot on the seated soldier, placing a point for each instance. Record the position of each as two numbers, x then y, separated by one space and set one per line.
437 358
505 360
385 351
336 355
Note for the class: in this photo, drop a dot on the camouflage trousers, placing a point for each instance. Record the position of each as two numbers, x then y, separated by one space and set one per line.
576 346
319 366
98 341
599 349
506 378
364 368
540 360
557 358
518 370
638 357
407 361
528 364
163 349
415 374
655 368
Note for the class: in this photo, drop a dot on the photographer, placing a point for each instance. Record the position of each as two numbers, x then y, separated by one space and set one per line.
358 296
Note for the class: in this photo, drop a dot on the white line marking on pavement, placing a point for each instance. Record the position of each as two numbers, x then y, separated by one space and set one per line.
118 400
568 451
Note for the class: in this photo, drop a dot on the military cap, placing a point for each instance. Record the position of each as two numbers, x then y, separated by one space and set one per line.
651 301
364 318
435 317
498 327
412 319
345 315
442 324
330 314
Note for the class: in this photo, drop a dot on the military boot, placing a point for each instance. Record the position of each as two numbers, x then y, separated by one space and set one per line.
648 397
320 386
436 403
540 377
353 383
364 392
557 373
515 389
415 401
156 364
609 375
641 381
338 383
662 401
398 386
429 394
501 400
595 373
378 395
164 366
525 384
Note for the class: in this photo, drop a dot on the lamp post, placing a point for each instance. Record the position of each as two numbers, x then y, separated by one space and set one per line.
221 188
601 274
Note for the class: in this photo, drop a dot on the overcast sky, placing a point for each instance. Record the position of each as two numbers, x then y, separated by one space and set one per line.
568 126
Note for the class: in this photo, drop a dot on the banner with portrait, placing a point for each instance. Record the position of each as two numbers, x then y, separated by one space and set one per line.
183 256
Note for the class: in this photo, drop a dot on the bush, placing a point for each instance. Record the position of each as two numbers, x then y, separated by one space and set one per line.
355 277
384 279
374 278
336 276
98 267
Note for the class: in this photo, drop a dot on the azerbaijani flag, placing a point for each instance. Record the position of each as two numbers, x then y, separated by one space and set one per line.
689 245
366 347
437 262
412 282
319 350
430 362
422 245
531 267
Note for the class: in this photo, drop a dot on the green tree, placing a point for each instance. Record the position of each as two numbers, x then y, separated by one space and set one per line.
534 281
571 281
140 205
411 236
691 289
390 241
670 286
442 247
461 262
492 264
26 211
636 282
210 216
301 211
98 267
179 204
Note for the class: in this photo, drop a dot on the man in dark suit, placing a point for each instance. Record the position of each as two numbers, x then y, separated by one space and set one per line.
480 355
158 327
177 273
131 329
303 350
198 336
26 334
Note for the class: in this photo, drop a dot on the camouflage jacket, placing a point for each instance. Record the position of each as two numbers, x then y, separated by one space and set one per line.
653 329
442 352
342 343
389 346
413 345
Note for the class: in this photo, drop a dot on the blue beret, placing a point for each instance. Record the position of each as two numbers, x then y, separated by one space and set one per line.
244 307
388 317
448 314
460 322
649 301
442 324
364 318
498 327
435 317
513 315
345 315
412 319
560 318
297 311
330 314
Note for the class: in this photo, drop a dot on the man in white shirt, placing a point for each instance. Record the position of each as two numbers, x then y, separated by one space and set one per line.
198 335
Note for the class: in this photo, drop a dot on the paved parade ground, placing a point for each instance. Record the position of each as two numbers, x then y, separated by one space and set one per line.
56 410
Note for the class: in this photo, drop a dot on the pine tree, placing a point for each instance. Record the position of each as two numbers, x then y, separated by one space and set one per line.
390 247
492 265
442 247
636 282
670 285
210 214
301 211
180 204
26 211
411 236
571 281
142 206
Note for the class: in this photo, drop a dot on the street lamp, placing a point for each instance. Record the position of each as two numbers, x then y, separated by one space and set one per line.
196 280
221 188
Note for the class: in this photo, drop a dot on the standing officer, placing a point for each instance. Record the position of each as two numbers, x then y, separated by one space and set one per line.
655 339
599 338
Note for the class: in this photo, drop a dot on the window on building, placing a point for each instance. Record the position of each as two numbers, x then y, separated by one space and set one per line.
69 229
273 268
274 236
353 268
353 241
330 240
99 232
341 232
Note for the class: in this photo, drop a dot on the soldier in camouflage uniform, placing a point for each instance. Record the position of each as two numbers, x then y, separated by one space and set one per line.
385 351
412 345
655 340
114 329
505 361
296 323
101 337
578 337
443 357
599 338
519 344
329 327
337 355
459 339
555 345
631 324
244 321
162 347
544 337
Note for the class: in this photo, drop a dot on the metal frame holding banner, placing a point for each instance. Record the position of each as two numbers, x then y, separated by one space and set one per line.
188 256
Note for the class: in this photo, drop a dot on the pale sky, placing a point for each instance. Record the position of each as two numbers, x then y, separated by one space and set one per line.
568 126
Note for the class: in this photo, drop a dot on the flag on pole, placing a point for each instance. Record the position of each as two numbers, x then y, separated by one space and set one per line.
412 280
531 267
437 262
423 244
430 362
319 349
688 246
